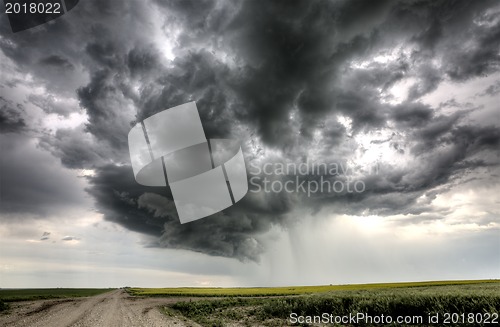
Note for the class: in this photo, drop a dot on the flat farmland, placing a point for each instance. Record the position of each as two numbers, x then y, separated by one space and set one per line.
448 303
452 303
9 295
289 290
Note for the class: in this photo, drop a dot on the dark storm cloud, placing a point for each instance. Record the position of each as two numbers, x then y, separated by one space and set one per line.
117 194
287 56
150 210
197 76
293 56
274 74
11 119
104 103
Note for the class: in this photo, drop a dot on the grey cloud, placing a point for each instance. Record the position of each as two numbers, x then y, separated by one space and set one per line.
429 79
45 236
32 180
70 238
475 139
143 61
49 104
11 119
106 107
77 148
463 142
491 90
50 51
460 53
116 194
429 136
57 62
479 58
412 114
158 205
431 36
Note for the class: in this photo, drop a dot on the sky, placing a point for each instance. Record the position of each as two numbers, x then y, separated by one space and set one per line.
398 99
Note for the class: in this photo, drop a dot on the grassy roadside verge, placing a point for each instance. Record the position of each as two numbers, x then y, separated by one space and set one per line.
3 306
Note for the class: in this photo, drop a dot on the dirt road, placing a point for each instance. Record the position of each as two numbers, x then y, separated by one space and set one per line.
111 309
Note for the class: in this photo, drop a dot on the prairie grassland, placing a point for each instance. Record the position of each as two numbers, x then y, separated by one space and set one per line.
10 295
290 290
409 301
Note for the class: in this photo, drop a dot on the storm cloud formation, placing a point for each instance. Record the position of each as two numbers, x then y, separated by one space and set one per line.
326 81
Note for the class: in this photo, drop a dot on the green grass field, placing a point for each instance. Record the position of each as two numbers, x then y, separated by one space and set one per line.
412 300
10 295
292 290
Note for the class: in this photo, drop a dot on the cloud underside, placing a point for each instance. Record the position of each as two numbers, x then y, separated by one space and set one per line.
293 81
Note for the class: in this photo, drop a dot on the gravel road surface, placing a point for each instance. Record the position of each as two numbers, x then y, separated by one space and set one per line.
111 309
